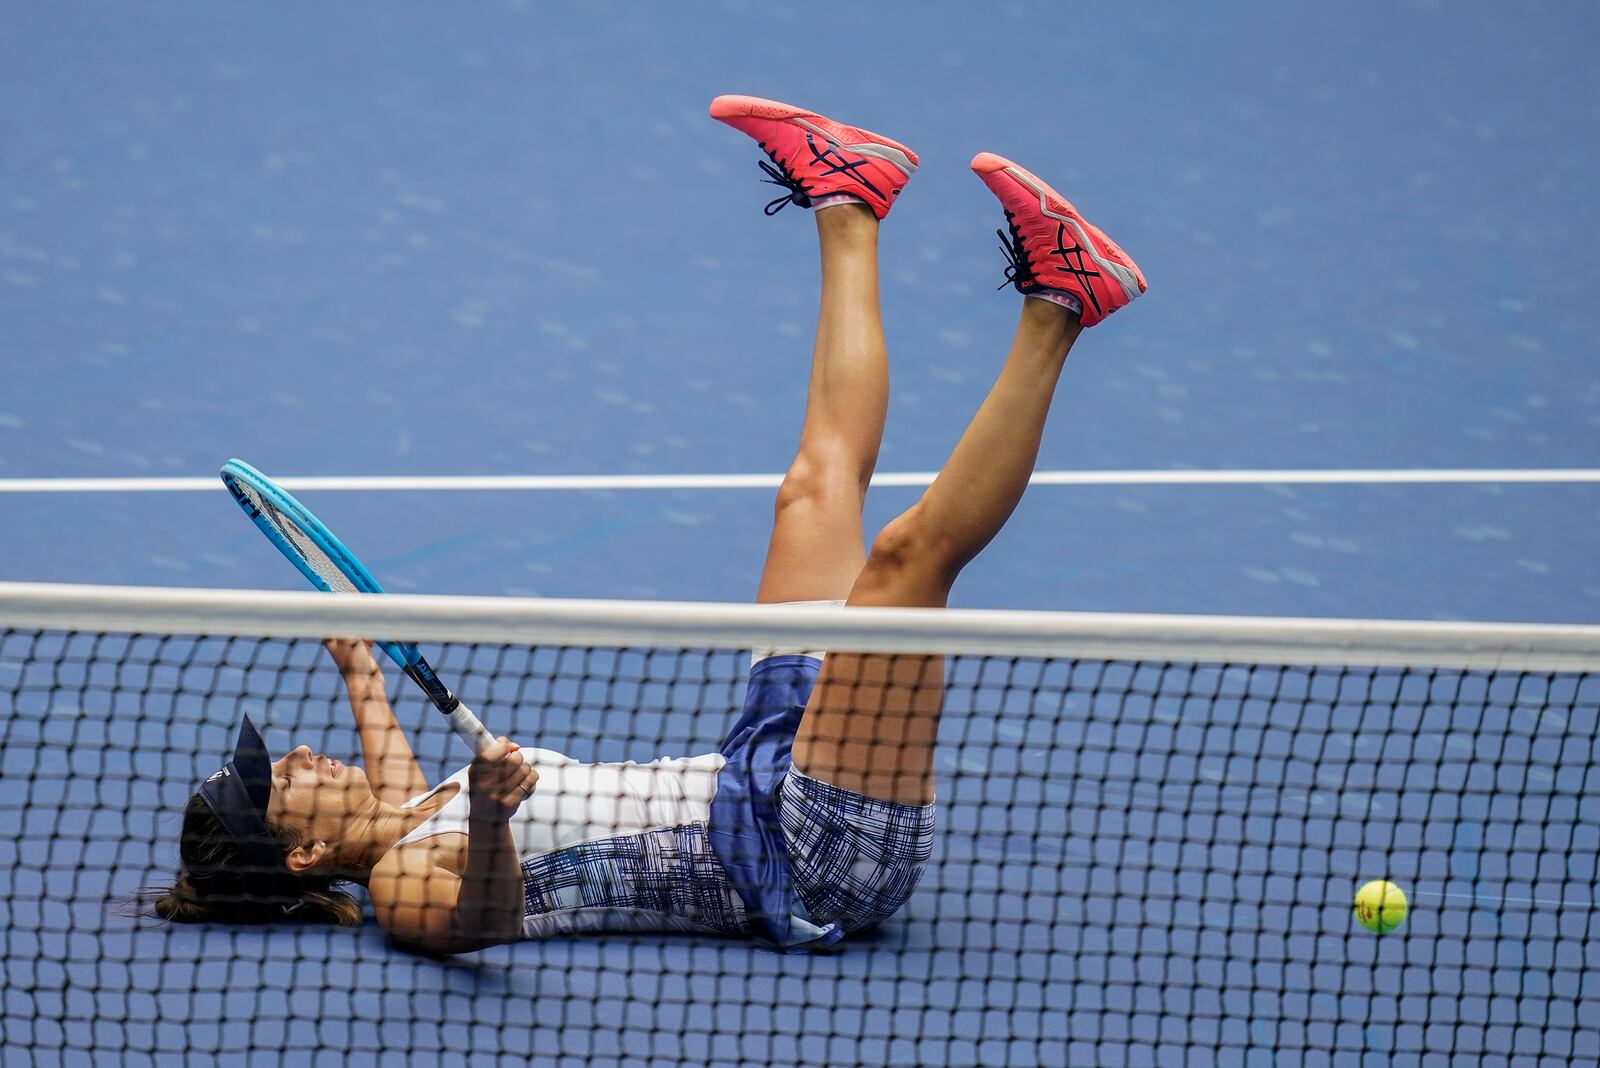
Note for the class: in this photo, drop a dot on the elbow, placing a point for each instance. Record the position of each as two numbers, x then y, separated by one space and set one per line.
429 945
449 942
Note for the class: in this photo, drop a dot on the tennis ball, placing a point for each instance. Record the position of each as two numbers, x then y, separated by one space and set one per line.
1380 906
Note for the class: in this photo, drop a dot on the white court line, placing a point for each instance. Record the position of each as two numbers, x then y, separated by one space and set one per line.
1497 900
1374 476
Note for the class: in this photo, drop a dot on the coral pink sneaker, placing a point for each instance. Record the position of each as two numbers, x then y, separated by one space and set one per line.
818 159
1051 247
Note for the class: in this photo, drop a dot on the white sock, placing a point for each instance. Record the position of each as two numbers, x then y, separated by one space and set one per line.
1061 297
818 203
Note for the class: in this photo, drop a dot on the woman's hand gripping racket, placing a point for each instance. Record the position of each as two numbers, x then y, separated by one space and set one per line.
322 558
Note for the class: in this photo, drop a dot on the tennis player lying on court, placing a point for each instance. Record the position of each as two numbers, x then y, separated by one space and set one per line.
815 819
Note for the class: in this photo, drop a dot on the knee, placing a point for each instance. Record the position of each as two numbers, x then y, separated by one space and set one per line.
821 482
909 547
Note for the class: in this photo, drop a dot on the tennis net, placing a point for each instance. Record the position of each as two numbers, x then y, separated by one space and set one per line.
1150 831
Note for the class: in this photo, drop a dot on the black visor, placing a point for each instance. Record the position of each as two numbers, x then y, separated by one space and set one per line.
238 795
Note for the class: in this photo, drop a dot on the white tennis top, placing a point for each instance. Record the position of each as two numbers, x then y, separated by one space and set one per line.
607 846
576 802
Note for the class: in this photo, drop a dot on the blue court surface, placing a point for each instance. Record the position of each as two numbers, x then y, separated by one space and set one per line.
505 239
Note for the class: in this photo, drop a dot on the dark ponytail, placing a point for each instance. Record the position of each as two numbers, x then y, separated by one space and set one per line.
217 886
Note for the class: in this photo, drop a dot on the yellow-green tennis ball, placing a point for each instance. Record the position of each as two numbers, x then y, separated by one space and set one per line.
1380 906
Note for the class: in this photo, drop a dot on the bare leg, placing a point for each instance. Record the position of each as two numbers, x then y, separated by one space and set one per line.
816 548
872 719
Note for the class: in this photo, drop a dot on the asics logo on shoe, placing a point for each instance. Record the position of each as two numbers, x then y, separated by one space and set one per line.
838 163
1076 262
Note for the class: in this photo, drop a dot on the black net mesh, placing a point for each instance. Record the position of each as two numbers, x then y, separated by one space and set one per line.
1142 863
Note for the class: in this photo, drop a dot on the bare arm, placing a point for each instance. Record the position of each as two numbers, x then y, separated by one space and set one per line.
423 906
386 755
430 909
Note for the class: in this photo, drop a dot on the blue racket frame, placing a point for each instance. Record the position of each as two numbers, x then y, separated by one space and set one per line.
236 473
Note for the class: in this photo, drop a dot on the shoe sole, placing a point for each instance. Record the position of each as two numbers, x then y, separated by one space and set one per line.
882 148
1126 277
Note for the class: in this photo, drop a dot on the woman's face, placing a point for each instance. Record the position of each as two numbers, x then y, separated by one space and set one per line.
315 796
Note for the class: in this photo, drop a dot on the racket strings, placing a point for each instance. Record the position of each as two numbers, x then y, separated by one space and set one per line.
315 558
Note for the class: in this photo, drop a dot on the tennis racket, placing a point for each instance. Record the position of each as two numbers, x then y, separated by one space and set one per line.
323 558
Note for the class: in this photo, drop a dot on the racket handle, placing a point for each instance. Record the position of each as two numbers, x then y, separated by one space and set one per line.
468 729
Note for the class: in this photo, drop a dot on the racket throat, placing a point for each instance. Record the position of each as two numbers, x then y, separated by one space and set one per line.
421 674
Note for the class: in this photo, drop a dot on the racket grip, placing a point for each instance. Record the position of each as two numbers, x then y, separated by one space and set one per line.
469 730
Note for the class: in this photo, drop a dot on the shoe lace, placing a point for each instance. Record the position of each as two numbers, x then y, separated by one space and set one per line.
795 193
1019 271
828 156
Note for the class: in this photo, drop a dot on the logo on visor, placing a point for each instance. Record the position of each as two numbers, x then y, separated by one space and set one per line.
218 775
